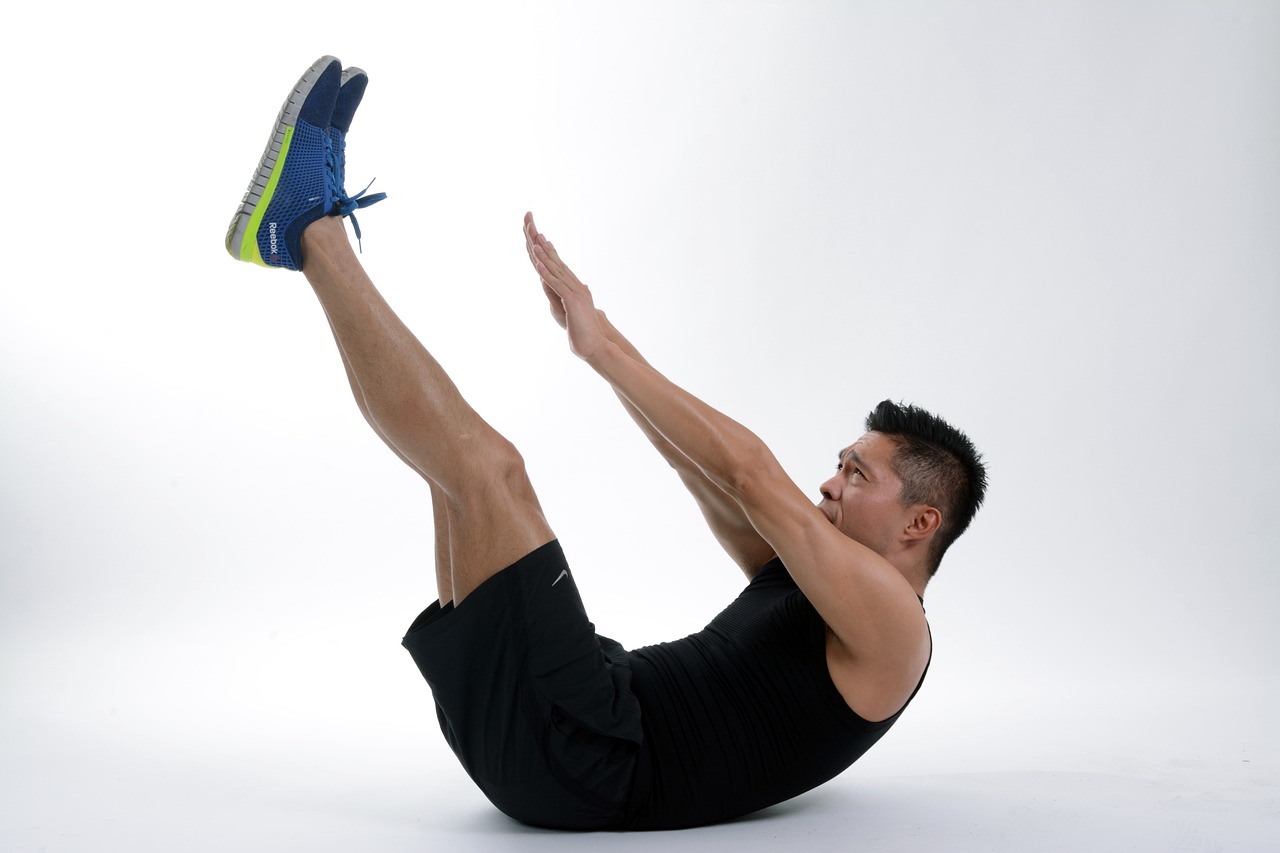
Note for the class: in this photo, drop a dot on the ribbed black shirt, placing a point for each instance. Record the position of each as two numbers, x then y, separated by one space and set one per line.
743 714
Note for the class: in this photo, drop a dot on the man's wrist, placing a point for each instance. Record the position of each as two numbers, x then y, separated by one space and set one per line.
605 360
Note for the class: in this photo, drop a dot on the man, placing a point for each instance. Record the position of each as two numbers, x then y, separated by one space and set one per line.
557 725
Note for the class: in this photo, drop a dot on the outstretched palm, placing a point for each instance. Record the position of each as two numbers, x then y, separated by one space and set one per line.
569 299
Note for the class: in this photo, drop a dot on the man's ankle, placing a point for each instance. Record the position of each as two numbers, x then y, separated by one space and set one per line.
323 235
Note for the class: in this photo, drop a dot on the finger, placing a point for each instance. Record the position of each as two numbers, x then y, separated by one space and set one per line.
546 254
565 285
530 237
556 260
530 229
534 240
568 291
542 260
550 278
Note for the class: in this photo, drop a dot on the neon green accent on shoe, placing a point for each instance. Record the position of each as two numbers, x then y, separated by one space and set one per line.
249 245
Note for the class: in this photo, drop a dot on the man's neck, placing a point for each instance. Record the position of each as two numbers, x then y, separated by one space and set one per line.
916 575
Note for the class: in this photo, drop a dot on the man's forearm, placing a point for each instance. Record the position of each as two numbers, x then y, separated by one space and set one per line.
728 523
668 451
718 446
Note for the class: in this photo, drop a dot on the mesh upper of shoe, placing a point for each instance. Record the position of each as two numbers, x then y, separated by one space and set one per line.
301 196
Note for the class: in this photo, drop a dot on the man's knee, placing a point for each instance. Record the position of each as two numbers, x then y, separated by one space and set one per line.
494 518
495 465
510 471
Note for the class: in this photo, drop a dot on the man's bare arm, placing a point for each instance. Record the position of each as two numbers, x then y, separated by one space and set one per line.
728 523
726 519
868 605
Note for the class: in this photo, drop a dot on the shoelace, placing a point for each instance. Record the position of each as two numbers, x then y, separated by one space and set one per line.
345 205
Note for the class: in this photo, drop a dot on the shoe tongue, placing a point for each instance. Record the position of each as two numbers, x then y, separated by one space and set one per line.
349 97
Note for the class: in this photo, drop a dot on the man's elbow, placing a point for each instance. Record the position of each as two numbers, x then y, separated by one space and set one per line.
753 474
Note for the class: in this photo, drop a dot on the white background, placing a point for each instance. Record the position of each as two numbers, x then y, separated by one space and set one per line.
1055 223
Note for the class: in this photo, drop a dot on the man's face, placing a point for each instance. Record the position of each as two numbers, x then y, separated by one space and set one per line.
862 499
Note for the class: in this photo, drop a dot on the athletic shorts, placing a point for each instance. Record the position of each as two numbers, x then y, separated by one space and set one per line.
536 705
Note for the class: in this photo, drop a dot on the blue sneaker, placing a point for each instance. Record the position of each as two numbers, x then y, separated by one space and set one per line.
299 179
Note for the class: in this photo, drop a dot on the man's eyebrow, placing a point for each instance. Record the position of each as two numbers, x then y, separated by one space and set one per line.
855 458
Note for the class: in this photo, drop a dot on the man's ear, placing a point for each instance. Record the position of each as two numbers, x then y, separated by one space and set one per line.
923 523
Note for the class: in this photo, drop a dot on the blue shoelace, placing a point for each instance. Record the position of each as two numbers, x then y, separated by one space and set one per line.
335 158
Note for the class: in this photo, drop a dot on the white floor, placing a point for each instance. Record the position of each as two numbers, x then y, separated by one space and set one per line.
1182 782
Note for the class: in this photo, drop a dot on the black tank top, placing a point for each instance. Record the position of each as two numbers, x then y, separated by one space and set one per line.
743 714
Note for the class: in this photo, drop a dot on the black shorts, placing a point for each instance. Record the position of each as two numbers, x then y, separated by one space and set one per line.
537 706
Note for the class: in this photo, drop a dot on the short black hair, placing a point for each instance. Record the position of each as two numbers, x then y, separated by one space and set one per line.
938 465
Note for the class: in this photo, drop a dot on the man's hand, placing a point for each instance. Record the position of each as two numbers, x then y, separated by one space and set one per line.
570 300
